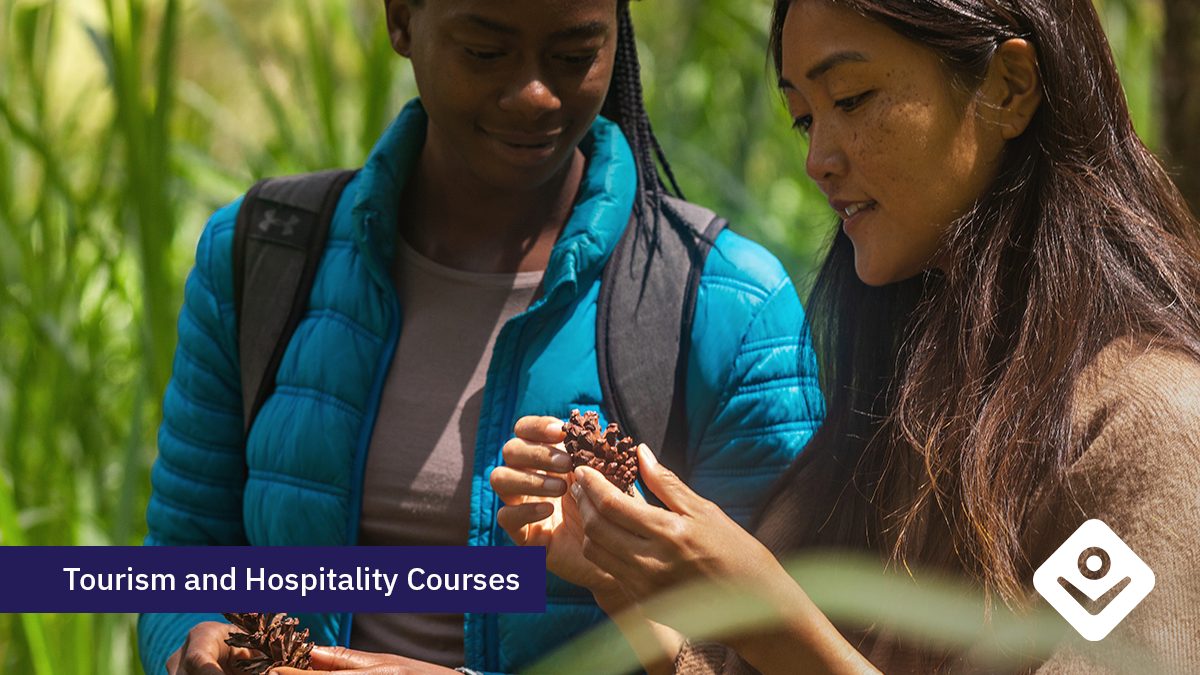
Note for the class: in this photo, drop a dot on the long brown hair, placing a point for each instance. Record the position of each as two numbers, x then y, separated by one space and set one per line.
949 394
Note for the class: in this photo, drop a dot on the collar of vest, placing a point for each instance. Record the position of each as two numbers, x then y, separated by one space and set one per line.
601 213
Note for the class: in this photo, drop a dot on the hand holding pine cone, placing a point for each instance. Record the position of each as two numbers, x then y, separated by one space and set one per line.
273 635
608 452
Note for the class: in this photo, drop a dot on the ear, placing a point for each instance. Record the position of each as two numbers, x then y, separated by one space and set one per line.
1013 86
398 16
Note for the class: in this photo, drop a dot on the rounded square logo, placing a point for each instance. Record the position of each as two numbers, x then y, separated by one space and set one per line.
1094 580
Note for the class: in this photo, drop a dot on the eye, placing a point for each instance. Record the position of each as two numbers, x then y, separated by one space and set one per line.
483 54
802 123
850 103
579 59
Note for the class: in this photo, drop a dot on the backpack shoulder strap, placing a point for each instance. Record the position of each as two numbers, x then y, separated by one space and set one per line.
278 241
644 323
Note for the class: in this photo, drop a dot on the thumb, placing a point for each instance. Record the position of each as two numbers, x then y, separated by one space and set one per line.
329 659
663 482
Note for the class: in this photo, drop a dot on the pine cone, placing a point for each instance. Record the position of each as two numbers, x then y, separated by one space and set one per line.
609 453
273 635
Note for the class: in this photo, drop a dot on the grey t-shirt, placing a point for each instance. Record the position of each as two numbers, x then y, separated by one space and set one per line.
417 486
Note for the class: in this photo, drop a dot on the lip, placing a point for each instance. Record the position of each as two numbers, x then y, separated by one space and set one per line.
852 212
524 137
523 147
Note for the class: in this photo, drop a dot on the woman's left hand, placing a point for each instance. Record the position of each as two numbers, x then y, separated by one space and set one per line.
344 661
649 549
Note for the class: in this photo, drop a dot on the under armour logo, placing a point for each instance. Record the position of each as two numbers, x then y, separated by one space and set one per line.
270 220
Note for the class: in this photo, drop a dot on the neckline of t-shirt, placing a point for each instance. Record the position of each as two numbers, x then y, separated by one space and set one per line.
510 280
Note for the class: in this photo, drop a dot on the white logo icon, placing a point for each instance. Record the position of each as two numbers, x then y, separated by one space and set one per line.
1094 580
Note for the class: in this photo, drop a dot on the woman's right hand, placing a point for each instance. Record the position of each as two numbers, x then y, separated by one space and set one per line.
652 549
533 482
204 652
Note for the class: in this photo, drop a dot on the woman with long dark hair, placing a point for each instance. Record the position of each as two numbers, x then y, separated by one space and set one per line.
1008 328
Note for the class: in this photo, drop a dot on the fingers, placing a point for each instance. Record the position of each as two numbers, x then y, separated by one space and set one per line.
540 429
521 453
289 670
514 485
608 556
344 661
665 485
617 553
341 658
513 519
331 660
616 507
195 664
203 650
599 531
201 669
612 564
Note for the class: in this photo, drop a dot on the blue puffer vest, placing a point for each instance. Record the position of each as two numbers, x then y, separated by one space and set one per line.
297 478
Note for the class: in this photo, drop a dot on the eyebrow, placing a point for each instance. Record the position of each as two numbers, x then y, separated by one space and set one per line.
584 30
827 64
488 24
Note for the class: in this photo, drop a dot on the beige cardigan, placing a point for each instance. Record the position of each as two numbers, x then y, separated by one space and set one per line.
1136 414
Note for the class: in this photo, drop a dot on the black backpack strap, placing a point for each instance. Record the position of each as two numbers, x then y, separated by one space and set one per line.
281 230
644 323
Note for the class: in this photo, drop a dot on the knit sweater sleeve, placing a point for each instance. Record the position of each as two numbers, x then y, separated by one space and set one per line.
711 658
1137 415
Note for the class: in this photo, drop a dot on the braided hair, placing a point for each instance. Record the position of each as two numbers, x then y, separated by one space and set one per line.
626 106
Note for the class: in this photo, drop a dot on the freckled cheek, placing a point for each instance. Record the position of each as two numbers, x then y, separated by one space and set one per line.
885 159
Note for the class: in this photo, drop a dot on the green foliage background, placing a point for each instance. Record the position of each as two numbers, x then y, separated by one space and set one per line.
123 123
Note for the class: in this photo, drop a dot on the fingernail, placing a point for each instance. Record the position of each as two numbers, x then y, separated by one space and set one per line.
648 457
561 461
554 484
543 509
576 491
554 427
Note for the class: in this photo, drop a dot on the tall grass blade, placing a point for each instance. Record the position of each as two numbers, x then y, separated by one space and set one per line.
853 591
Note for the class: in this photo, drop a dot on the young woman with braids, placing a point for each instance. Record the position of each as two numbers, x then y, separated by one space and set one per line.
458 292
1008 325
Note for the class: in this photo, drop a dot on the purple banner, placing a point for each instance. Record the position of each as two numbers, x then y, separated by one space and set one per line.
119 579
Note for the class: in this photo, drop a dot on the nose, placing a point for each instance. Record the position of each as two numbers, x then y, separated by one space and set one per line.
530 96
826 157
